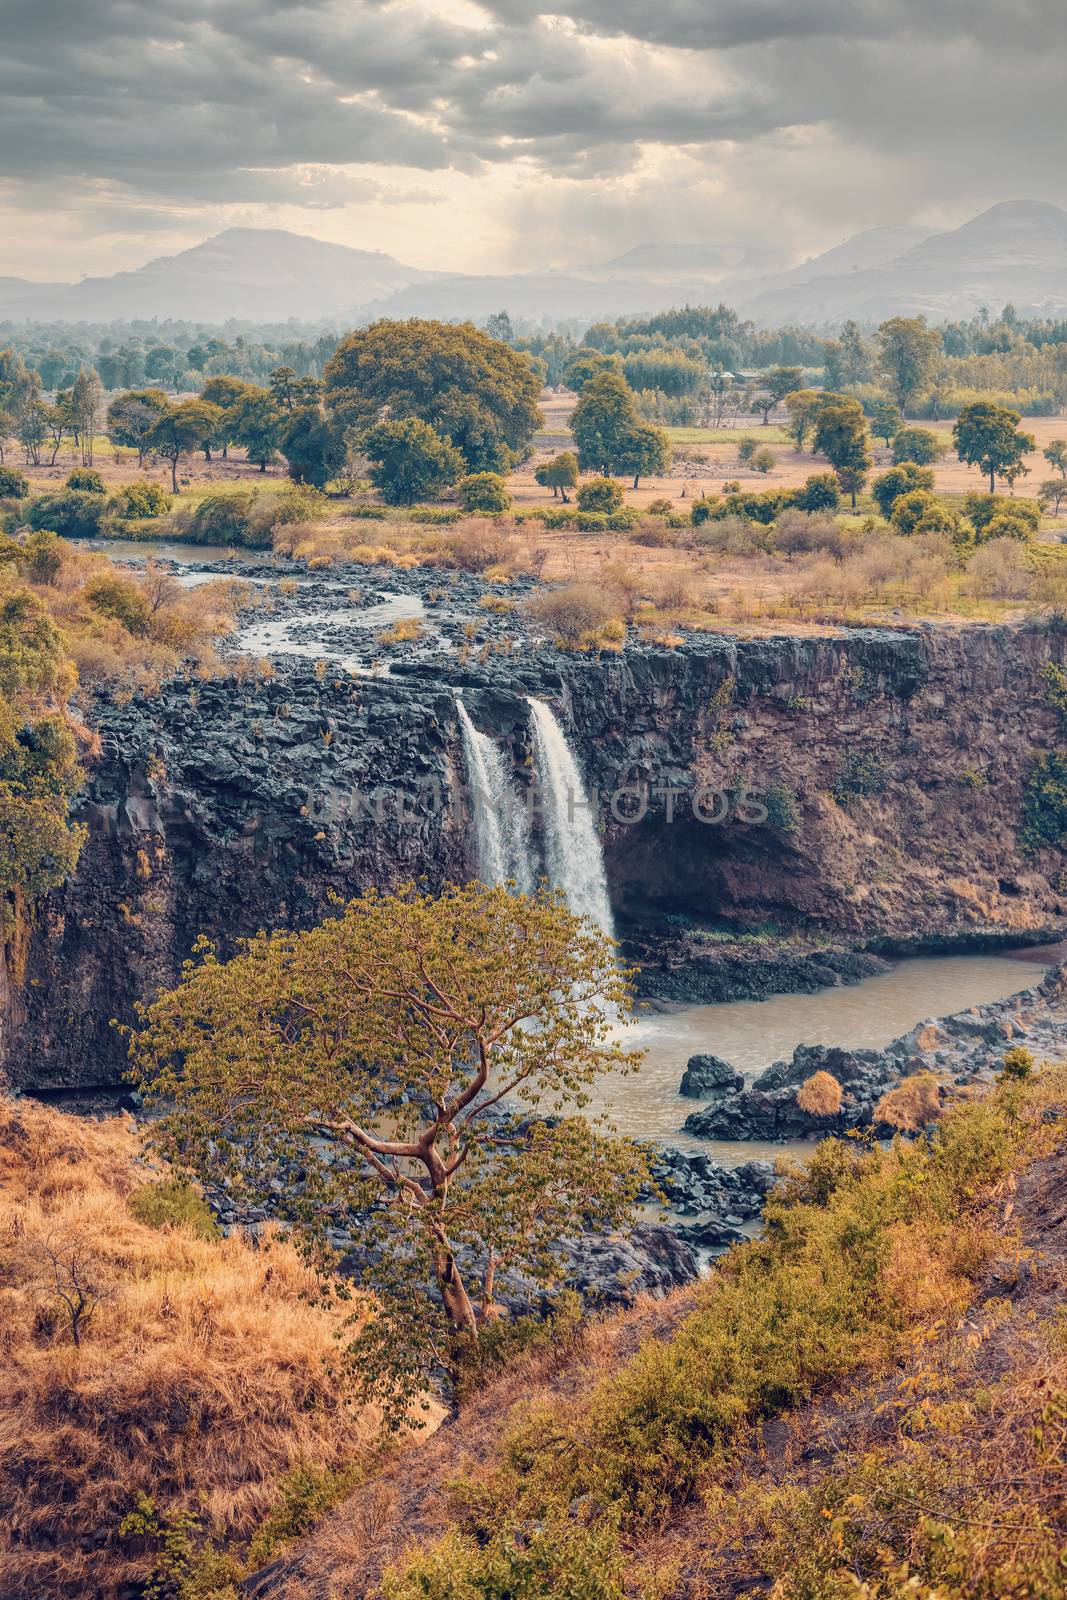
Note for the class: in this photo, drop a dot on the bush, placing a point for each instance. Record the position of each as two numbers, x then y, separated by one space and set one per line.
120 598
982 509
41 556
1008 526
435 516
913 1104
799 533
905 478
368 513
484 491
659 508
764 460
600 494
13 485
1044 817
223 518
86 479
820 1095
1000 570
574 614
820 492
72 513
733 536
1018 1063
173 1203
923 512
475 546
143 499
918 445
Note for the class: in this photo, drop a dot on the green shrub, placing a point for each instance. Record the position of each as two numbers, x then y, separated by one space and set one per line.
173 1203
369 513
307 1493
13 485
600 494
862 773
917 444
72 513
782 807
764 460
819 492
435 516
223 518
87 479
484 491
143 499
1044 814
1018 1063
982 509
905 478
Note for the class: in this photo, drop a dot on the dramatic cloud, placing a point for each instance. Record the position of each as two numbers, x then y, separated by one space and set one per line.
772 121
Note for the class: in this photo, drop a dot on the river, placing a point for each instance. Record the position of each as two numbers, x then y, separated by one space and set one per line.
750 1034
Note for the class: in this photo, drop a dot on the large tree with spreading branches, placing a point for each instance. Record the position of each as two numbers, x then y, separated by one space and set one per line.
422 1062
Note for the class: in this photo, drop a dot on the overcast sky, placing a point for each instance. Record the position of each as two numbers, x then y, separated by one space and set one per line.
485 136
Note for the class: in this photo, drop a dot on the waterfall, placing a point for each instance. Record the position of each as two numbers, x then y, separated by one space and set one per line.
573 855
502 841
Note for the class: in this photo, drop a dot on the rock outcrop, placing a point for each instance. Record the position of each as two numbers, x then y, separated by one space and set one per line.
961 1049
707 1075
843 766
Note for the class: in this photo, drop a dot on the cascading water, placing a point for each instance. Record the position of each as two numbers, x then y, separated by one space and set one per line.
499 825
573 855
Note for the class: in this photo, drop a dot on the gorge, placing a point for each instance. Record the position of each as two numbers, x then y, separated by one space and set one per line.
873 782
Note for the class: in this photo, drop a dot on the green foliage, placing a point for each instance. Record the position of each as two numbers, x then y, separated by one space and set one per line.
610 436
987 436
1018 1064
1056 689
922 512
917 444
819 492
906 478
14 485
38 760
764 460
307 1493
181 429
186 1566
862 1251
114 596
143 499
484 491
985 510
87 479
174 1203
436 516
600 494
131 418
313 445
782 806
257 425
862 773
72 513
416 1014
223 518
409 461
885 420
472 390
908 352
559 473
1044 810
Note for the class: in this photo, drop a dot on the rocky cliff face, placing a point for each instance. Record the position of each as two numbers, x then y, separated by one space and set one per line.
870 787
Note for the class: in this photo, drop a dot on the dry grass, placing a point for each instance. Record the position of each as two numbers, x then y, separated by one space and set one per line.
200 1378
914 1103
820 1095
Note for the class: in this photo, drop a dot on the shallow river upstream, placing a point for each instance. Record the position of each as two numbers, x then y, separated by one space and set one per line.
750 1034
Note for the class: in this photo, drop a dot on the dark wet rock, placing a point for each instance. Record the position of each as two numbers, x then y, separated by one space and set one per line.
706 1075
967 1047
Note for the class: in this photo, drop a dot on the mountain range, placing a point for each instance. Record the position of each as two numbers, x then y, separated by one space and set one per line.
1014 251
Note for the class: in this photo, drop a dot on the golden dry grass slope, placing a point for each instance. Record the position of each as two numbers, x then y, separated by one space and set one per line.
200 1378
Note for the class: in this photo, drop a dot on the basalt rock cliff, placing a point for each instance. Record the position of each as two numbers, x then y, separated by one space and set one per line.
789 801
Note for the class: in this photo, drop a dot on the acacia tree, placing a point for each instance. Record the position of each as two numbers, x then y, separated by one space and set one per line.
132 416
987 436
777 383
181 429
394 1056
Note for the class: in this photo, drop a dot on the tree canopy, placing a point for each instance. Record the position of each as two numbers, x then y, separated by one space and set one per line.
467 387
908 352
987 436
409 461
421 1062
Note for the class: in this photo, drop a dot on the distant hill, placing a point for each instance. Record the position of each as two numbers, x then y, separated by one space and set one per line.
257 274
1016 251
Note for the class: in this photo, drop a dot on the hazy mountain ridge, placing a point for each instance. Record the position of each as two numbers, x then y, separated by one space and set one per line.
1014 251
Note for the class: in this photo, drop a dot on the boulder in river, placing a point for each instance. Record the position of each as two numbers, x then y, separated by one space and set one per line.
706 1076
